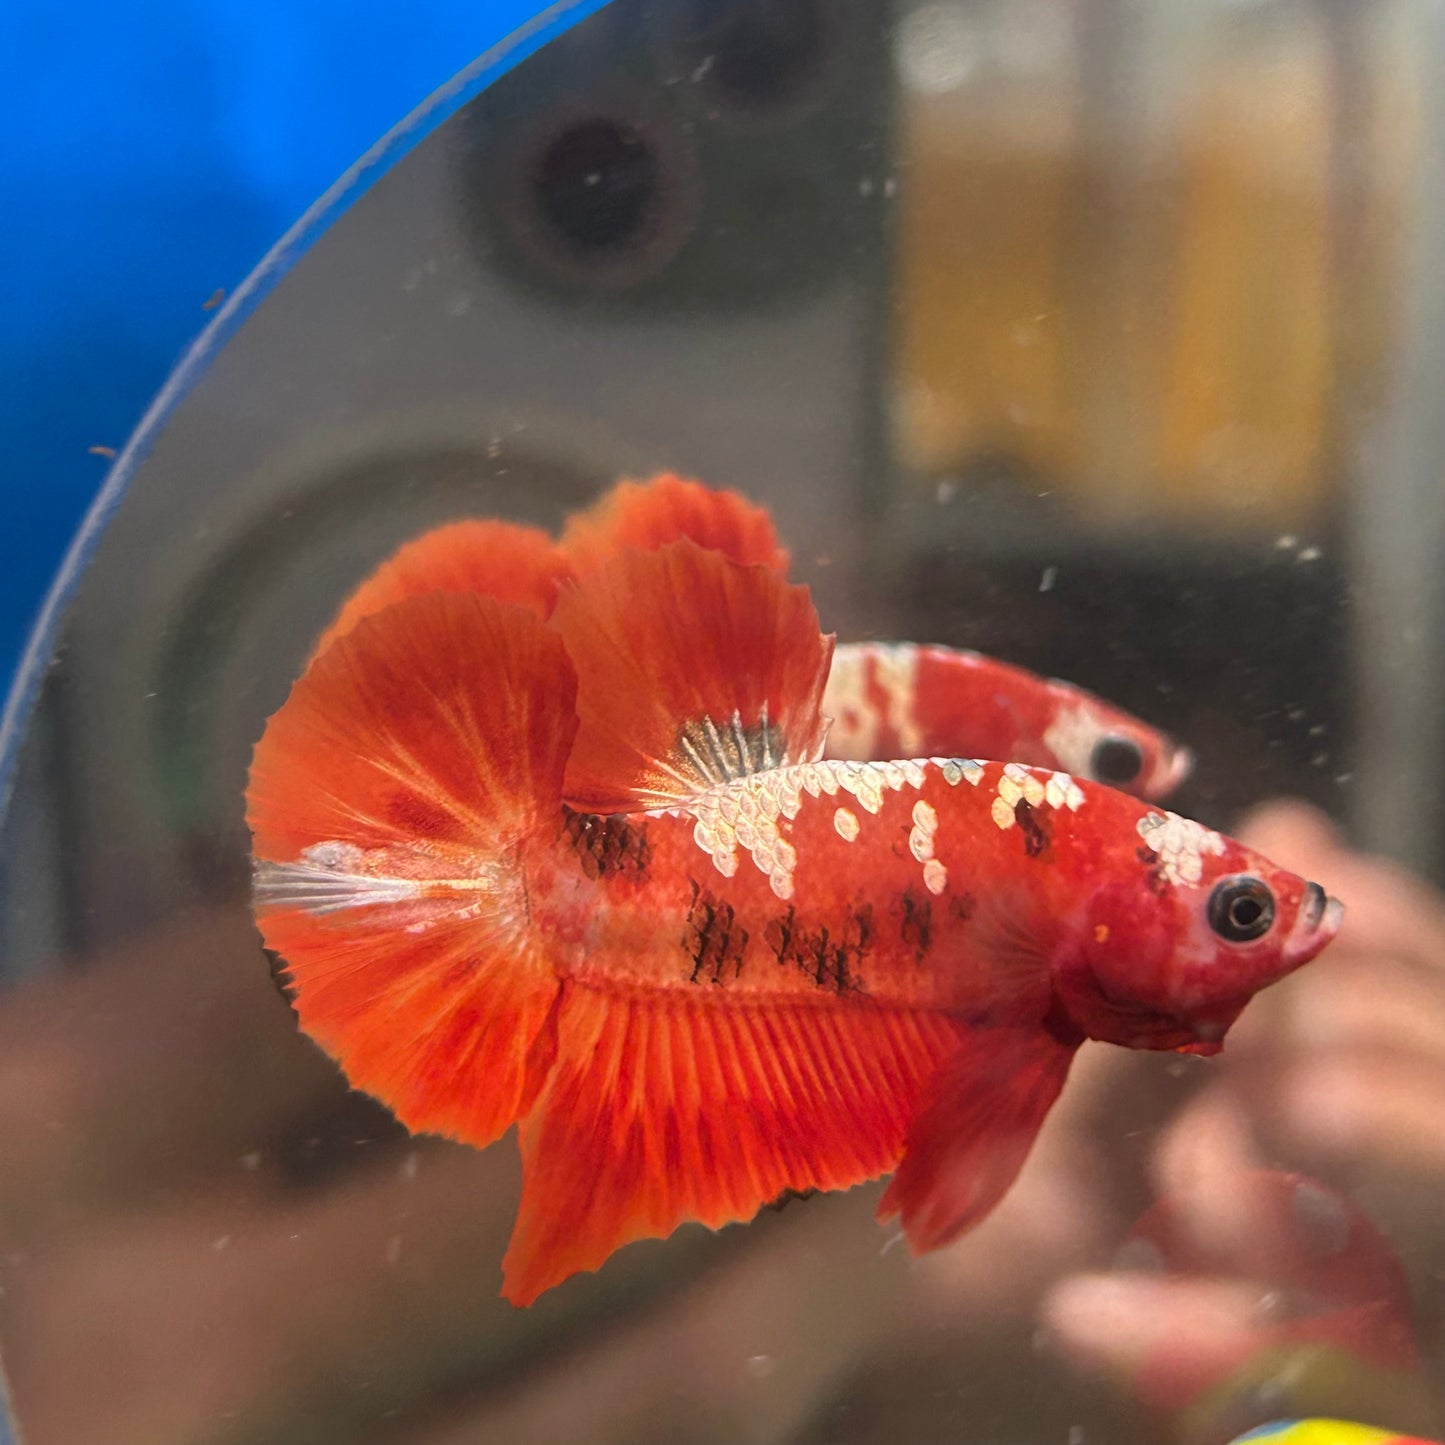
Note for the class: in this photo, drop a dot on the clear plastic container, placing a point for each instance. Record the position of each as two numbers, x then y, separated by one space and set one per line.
1103 338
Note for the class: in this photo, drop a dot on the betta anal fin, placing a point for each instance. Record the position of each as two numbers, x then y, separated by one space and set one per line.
968 1144
656 1112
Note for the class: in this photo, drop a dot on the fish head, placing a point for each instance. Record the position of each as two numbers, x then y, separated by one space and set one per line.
1122 752
1169 953
1092 739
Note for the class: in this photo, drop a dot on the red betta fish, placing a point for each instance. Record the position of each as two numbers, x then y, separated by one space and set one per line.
884 699
724 967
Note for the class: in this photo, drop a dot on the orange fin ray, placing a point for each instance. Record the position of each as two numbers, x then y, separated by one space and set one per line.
661 1111
392 799
504 560
966 1148
643 516
692 671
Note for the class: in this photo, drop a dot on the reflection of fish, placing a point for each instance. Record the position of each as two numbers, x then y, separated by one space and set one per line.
887 699
884 699
723 968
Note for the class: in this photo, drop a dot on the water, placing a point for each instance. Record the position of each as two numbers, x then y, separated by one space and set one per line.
1102 338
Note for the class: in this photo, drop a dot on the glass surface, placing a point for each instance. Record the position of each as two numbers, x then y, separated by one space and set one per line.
1101 337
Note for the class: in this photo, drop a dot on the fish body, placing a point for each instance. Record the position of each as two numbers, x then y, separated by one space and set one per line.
590 874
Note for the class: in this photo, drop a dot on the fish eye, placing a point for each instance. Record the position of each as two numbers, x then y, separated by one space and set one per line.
1117 760
1241 908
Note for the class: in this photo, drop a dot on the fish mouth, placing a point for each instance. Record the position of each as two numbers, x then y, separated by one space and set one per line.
1172 771
1319 920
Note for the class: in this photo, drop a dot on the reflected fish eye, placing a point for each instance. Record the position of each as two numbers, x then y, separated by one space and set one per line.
1241 908
1116 760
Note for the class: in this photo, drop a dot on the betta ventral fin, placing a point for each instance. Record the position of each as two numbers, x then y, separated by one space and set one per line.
965 1149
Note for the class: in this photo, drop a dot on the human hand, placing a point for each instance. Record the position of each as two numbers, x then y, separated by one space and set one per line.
1340 1069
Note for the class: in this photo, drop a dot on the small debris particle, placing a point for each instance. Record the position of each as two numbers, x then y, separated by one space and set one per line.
214 299
99 451
945 492
761 1366
1046 582
1309 554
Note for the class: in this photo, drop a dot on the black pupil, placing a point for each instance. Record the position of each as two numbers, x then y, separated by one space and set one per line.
1117 760
1241 909
1245 912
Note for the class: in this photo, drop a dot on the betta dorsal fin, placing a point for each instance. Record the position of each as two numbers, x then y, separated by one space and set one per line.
504 560
693 671
643 516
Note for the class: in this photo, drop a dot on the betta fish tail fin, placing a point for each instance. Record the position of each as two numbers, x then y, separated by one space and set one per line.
693 671
643 516
392 800
493 559
966 1147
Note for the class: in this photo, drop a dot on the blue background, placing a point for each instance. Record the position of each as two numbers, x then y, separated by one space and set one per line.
149 155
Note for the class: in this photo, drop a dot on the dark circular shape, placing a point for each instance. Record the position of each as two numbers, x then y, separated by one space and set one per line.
1116 760
762 52
1241 908
596 184
595 195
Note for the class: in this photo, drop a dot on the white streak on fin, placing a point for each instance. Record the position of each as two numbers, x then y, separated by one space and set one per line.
317 888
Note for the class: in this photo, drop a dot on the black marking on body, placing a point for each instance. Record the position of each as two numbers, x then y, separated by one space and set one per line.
830 962
1154 874
608 845
961 906
1031 825
712 938
915 922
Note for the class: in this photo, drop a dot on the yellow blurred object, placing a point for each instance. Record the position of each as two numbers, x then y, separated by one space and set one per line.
1318 1378
1148 321
1324 1432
